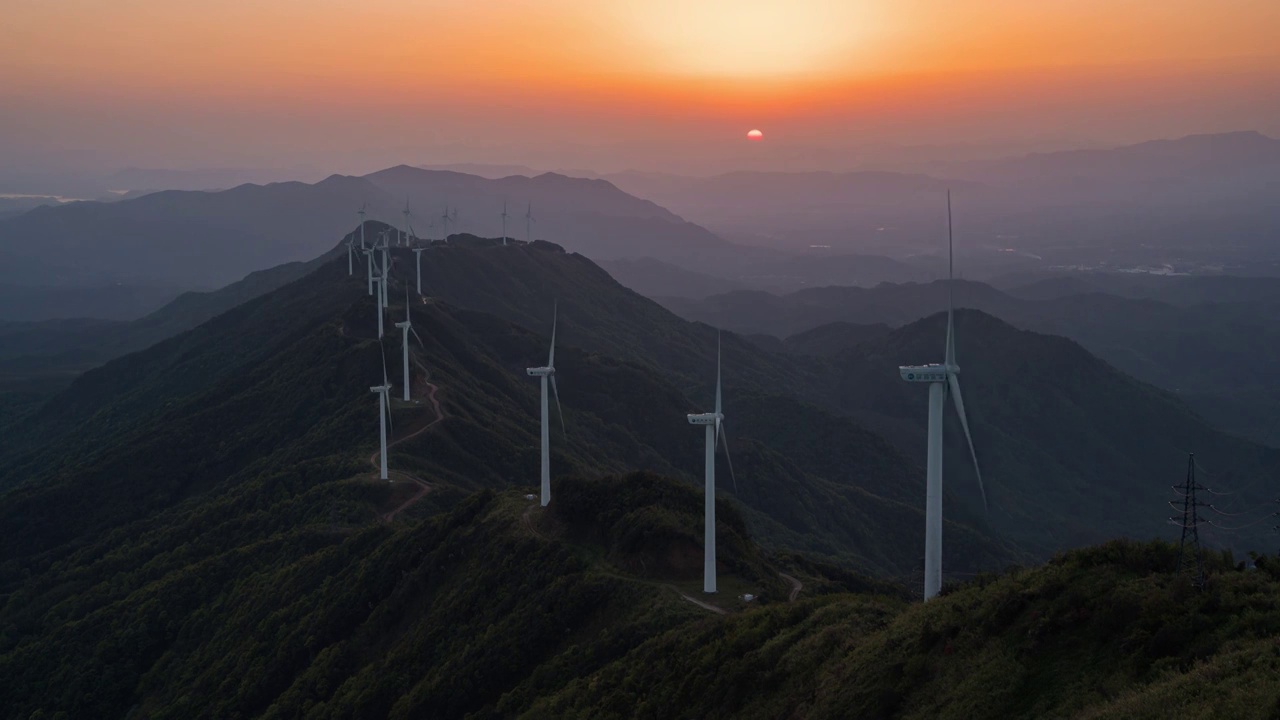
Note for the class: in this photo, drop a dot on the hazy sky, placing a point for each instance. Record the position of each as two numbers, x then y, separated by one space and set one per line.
607 84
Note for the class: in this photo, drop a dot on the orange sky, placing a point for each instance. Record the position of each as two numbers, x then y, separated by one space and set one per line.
157 80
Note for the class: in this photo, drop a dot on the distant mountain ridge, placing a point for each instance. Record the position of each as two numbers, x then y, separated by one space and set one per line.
202 239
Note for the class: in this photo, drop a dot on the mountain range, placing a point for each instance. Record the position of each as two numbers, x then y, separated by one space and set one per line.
192 529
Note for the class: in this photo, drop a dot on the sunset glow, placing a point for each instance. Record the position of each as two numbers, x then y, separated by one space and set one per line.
582 72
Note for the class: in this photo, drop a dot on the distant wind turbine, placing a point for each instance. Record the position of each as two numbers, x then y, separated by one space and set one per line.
417 256
351 270
714 423
406 222
444 223
368 262
940 378
407 327
361 214
384 414
504 222
549 371
378 300
528 224
386 250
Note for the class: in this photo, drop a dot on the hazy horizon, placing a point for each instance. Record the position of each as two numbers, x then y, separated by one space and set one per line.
568 84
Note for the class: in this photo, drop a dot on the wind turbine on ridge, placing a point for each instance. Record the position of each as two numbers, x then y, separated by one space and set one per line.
361 213
378 301
940 378
407 327
384 413
386 250
503 215
351 242
406 222
528 224
548 371
444 223
714 423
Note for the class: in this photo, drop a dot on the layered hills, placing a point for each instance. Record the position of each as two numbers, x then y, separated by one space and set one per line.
194 530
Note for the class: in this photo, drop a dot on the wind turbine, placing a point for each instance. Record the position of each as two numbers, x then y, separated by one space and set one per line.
361 214
386 249
941 378
504 222
380 281
714 423
368 257
406 221
407 327
528 224
351 270
549 371
444 223
384 412
417 256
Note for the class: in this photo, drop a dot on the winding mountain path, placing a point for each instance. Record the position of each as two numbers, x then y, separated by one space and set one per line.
796 586
703 605
425 486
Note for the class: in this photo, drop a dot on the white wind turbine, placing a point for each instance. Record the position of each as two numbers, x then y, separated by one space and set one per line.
504 216
407 327
386 249
417 257
714 423
378 300
405 240
444 223
548 371
941 378
361 214
368 258
528 224
384 414
351 270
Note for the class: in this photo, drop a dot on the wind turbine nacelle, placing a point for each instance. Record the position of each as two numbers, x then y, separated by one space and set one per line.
704 418
934 372
403 325
380 388
540 371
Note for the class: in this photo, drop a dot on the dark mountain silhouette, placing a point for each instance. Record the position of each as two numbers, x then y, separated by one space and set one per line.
1189 344
199 240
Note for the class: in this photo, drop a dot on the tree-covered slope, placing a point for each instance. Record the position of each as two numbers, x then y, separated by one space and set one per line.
1106 632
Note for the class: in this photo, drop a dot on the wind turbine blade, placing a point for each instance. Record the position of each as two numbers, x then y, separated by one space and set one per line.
420 343
559 411
717 372
384 363
555 318
951 347
954 382
721 435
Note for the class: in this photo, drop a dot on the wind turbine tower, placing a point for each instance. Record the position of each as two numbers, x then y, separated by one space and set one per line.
504 222
386 250
417 256
368 263
378 300
361 214
444 223
941 379
351 270
714 424
407 327
548 371
384 416
406 222
528 224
